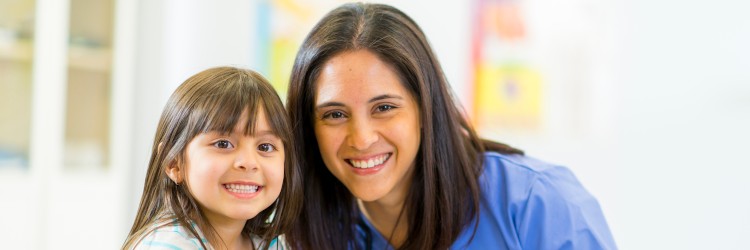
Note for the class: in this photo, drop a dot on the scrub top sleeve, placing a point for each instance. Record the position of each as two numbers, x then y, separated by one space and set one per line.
560 214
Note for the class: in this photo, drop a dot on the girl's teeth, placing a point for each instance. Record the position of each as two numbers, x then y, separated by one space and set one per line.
238 188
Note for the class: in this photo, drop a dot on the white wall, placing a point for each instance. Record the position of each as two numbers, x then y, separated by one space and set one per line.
685 116
659 131
176 40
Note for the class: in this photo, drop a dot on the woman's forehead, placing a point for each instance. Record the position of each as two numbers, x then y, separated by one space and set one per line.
358 74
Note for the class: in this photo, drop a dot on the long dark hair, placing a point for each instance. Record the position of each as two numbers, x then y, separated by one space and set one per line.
213 100
444 194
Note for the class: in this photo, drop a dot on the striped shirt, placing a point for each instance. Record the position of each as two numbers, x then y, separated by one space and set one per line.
173 236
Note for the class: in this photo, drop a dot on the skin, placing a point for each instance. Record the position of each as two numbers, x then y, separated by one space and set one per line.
214 160
364 115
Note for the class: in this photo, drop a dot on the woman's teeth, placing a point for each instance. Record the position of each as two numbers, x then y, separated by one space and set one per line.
370 162
239 188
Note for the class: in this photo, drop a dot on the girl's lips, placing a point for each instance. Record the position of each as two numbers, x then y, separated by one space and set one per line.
243 190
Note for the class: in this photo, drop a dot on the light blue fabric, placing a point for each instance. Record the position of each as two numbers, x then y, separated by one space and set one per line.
526 204
173 236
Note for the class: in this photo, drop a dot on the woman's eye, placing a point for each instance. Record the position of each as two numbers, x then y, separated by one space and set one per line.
266 147
223 144
334 115
385 107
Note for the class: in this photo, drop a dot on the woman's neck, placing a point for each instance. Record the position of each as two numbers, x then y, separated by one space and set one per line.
388 215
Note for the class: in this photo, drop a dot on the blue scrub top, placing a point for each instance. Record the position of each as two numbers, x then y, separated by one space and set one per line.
525 204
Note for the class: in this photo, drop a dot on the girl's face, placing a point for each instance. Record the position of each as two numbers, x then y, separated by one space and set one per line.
234 176
367 125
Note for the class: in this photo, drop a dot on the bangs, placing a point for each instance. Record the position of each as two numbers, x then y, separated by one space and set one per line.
225 113
218 107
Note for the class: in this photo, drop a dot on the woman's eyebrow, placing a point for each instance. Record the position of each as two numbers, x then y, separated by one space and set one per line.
384 96
329 104
374 99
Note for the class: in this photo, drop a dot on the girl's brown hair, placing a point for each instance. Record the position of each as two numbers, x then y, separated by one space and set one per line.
444 195
213 100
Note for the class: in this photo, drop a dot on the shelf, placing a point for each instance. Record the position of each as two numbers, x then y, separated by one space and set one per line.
19 51
91 59
79 57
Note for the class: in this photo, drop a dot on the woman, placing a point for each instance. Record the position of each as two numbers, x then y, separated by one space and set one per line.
391 163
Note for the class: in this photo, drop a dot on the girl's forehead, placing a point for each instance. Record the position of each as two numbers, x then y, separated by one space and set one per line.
254 122
230 121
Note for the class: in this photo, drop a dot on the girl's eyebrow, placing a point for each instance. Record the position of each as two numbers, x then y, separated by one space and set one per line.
217 132
264 133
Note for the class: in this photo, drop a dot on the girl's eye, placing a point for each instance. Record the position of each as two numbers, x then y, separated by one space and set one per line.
223 144
266 147
385 107
333 115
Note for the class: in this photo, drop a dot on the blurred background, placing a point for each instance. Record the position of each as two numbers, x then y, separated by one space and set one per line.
647 101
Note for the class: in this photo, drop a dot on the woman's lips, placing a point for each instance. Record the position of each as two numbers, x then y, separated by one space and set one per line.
370 165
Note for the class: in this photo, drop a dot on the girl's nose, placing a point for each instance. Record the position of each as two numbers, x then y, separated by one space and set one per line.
246 159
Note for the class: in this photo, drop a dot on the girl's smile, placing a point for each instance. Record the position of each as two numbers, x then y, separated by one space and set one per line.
243 190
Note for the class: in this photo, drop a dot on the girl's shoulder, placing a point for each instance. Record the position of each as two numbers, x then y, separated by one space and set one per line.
171 235
278 243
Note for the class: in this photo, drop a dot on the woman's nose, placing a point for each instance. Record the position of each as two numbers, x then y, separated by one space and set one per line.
361 134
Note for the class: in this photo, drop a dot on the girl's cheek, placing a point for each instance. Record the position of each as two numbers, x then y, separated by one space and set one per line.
275 172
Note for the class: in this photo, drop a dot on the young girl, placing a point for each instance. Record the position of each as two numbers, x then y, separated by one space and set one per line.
222 174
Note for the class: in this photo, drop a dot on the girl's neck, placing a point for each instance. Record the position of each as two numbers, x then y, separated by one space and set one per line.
230 232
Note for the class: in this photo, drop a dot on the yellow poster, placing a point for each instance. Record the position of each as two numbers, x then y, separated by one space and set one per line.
507 88
283 25
507 96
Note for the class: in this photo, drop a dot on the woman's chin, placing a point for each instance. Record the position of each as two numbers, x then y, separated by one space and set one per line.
366 196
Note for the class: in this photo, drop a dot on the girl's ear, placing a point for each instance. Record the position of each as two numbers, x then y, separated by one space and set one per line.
174 171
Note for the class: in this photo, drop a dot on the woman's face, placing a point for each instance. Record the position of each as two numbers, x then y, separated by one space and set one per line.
367 125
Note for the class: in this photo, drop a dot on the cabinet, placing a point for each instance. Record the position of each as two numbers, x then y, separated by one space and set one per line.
66 77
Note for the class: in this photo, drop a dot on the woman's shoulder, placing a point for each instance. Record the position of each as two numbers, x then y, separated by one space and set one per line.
519 176
519 166
171 235
540 200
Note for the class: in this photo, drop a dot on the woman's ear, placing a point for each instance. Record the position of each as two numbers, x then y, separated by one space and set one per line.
174 171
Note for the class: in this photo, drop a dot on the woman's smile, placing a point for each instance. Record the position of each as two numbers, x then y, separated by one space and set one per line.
369 165
369 162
